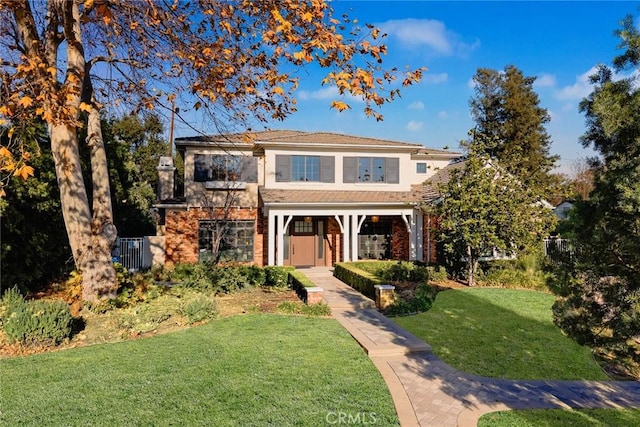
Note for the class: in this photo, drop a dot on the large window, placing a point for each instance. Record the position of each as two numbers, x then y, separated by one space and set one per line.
371 170
305 168
221 241
299 168
227 168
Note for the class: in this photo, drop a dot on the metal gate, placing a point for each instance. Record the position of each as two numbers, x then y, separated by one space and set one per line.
130 252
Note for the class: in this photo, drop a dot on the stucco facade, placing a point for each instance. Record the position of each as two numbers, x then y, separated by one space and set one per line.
299 198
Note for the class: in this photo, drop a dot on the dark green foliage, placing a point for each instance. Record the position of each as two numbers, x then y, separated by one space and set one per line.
223 278
358 279
34 323
199 308
506 109
134 146
404 271
599 284
277 276
437 273
421 302
35 248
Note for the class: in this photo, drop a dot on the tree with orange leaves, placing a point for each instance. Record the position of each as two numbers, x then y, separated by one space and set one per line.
63 61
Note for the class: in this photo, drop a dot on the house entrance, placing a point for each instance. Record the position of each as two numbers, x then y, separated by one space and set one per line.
306 242
374 240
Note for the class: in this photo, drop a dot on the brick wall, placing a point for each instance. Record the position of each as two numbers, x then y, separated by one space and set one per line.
334 236
399 239
430 226
181 232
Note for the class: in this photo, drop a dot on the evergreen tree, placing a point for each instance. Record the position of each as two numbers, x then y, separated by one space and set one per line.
506 109
599 302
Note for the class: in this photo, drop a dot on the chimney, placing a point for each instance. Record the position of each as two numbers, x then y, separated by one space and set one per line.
166 172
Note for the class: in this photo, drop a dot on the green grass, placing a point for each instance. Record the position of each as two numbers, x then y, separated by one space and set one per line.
252 370
562 418
501 333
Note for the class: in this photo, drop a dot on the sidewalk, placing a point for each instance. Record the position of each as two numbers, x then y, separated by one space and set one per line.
428 392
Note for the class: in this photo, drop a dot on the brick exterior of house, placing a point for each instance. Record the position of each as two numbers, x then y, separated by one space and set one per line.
181 231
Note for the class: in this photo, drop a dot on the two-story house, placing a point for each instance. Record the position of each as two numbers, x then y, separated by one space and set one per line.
298 198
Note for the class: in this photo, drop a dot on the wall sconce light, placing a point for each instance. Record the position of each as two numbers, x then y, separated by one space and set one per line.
308 219
375 218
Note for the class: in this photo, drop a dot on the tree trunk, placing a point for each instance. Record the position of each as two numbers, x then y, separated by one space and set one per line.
100 271
472 267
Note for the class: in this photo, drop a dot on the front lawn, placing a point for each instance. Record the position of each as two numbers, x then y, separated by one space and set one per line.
257 369
501 333
562 418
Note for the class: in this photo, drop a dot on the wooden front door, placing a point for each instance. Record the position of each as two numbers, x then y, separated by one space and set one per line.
302 243
307 246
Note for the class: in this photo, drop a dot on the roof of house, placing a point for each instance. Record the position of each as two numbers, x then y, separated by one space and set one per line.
294 137
270 196
430 190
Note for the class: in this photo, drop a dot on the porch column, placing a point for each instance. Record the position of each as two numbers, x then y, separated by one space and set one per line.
354 237
419 235
345 238
413 252
280 244
271 234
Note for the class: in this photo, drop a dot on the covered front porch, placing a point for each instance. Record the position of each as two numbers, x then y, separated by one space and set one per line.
306 235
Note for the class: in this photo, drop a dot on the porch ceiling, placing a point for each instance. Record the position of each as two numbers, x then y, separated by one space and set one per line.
274 196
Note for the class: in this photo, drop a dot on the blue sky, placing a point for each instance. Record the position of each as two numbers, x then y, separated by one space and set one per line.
558 42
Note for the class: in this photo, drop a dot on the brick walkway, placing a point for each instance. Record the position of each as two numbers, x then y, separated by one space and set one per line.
428 392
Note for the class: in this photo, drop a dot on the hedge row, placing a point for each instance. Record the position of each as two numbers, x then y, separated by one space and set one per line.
358 279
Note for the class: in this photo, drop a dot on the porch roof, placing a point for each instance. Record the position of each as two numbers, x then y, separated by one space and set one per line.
323 197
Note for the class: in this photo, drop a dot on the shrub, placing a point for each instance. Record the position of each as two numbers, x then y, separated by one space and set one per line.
255 276
277 276
437 274
358 279
32 323
199 308
422 301
524 272
404 271
377 268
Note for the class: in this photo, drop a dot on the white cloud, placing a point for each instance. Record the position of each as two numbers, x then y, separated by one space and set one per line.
545 80
415 126
427 32
443 114
580 89
329 92
435 78
418 105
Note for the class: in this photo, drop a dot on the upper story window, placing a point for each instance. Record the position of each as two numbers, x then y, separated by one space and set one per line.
305 168
290 168
421 167
371 169
223 167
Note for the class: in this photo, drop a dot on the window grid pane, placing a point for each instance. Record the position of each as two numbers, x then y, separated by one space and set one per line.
378 169
364 169
235 245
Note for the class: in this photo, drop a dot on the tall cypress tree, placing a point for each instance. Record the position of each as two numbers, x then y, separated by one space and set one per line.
506 109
